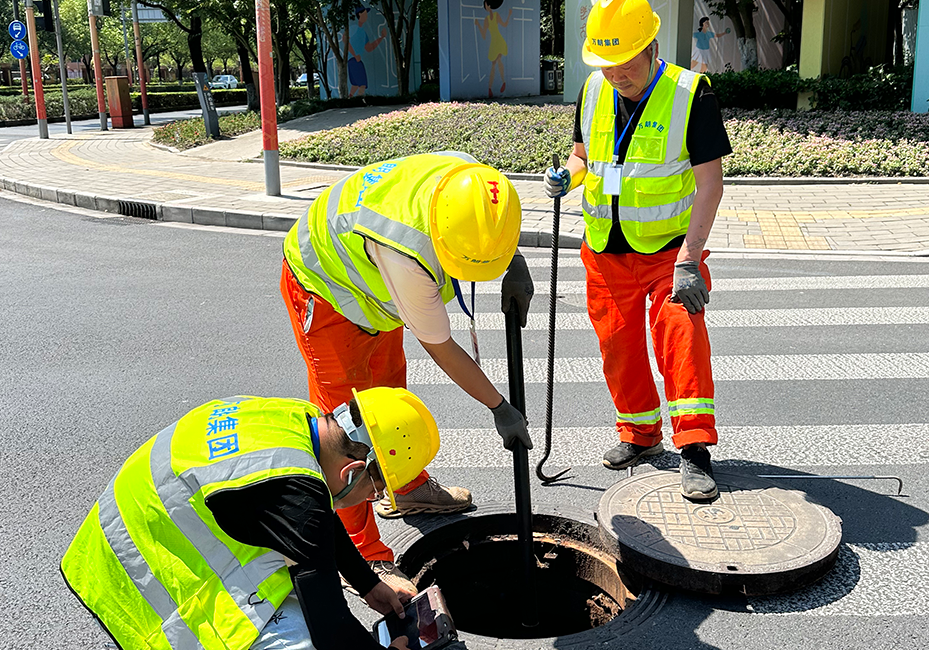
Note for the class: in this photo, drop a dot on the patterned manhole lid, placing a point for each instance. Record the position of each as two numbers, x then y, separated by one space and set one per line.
755 538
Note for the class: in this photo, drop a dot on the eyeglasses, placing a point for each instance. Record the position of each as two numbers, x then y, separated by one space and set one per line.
378 494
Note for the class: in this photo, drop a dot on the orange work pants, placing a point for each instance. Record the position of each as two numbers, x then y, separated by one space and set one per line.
340 356
617 286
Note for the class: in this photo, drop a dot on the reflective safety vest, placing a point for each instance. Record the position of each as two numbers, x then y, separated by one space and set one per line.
658 188
150 561
387 203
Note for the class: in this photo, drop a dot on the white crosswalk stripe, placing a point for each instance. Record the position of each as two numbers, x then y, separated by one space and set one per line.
835 316
793 367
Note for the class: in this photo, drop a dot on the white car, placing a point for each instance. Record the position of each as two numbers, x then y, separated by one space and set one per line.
224 81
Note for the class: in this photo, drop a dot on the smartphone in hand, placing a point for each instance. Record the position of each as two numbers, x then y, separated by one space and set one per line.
427 625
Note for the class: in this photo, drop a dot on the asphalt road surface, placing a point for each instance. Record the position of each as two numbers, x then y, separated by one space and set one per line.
114 327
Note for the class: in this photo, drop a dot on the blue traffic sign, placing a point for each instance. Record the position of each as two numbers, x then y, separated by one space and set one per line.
18 30
19 49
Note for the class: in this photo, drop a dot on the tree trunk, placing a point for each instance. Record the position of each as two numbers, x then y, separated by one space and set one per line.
245 67
748 52
195 43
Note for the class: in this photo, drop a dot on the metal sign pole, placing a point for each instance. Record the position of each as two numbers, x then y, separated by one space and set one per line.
122 17
62 68
36 61
268 101
140 63
98 70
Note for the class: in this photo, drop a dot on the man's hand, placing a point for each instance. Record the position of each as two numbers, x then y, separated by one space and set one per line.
557 182
511 425
689 287
399 643
517 285
385 600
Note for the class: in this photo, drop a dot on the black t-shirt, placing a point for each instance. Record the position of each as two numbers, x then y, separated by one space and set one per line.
291 515
706 140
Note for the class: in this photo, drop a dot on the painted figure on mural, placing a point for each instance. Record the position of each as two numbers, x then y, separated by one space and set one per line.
701 49
359 42
498 49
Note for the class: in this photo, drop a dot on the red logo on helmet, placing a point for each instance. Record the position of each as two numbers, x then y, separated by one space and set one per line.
494 190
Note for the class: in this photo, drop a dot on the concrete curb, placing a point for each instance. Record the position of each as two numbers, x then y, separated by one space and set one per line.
275 221
727 180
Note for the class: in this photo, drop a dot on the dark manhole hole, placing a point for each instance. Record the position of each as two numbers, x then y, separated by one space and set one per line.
475 561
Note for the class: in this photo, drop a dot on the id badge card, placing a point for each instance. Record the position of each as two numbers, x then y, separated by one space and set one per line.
613 179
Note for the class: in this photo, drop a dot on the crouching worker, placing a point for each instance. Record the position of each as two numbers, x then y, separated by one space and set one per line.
220 531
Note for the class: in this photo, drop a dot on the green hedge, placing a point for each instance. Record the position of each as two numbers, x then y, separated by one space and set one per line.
522 139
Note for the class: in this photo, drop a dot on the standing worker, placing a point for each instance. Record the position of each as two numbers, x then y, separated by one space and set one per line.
219 532
648 146
384 248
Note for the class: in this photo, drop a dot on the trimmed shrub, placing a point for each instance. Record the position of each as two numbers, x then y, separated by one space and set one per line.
757 88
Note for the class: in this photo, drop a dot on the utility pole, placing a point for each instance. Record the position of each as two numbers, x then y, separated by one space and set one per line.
272 159
98 69
139 61
62 69
22 62
122 17
36 61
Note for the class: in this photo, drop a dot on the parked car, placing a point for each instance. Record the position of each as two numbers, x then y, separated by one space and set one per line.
224 81
301 80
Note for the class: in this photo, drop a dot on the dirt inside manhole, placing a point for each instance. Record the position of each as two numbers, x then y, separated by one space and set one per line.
578 586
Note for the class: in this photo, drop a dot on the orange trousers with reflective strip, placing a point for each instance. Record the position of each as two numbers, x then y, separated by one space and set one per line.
617 287
340 356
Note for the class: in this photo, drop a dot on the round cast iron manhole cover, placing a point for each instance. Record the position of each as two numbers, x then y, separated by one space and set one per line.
755 538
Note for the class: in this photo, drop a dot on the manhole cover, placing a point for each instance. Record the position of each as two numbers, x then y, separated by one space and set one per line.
756 538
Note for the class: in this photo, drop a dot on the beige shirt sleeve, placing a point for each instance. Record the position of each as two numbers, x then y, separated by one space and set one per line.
414 292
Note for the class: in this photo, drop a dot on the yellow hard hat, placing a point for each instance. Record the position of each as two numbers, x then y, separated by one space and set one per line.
474 221
403 433
617 30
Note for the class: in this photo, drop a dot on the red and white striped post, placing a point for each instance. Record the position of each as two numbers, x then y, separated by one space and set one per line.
36 59
139 62
268 101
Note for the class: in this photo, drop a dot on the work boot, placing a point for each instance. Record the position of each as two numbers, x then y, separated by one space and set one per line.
430 497
697 482
626 454
389 574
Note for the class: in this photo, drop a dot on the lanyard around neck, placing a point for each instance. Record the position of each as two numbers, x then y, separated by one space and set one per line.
620 136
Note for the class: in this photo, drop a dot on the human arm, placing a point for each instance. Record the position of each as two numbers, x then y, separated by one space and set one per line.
482 26
372 45
559 182
709 182
504 23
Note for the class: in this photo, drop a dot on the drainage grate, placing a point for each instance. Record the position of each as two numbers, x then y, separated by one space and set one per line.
138 209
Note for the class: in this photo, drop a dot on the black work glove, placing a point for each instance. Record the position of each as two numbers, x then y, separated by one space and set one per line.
517 285
689 287
511 425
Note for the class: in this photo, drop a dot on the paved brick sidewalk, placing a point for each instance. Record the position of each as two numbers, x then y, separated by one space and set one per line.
120 171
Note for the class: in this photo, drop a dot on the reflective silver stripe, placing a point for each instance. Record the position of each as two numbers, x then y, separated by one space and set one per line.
232 469
655 212
344 298
591 95
678 126
596 211
175 496
340 224
468 158
154 593
598 168
653 170
404 235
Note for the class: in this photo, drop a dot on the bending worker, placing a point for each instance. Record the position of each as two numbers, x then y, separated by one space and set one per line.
384 248
648 146
219 531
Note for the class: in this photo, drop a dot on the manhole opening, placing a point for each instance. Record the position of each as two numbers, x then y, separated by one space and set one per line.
476 563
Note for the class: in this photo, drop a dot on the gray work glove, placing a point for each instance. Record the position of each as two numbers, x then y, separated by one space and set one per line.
689 287
511 425
557 182
517 285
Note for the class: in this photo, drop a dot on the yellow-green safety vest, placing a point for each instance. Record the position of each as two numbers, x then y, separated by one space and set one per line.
388 203
150 561
658 188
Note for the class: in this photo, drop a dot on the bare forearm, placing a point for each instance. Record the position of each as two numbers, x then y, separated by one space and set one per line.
462 370
709 181
577 165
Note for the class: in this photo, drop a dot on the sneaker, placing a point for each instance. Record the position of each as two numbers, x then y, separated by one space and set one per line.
389 574
430 497
697 480
626 454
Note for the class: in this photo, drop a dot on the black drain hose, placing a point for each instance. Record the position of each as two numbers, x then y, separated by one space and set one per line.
553 295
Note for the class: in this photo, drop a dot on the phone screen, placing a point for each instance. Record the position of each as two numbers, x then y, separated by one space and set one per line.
419 626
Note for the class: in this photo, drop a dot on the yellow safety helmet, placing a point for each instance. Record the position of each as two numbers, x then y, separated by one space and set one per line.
617 30
402 431
474 221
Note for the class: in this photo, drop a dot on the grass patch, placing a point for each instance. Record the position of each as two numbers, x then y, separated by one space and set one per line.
522 139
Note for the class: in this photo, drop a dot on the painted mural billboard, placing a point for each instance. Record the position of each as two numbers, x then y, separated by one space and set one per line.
371 66
715 48
488 49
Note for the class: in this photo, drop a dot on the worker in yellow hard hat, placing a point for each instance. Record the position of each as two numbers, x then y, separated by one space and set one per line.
219 532
386 248
648 146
